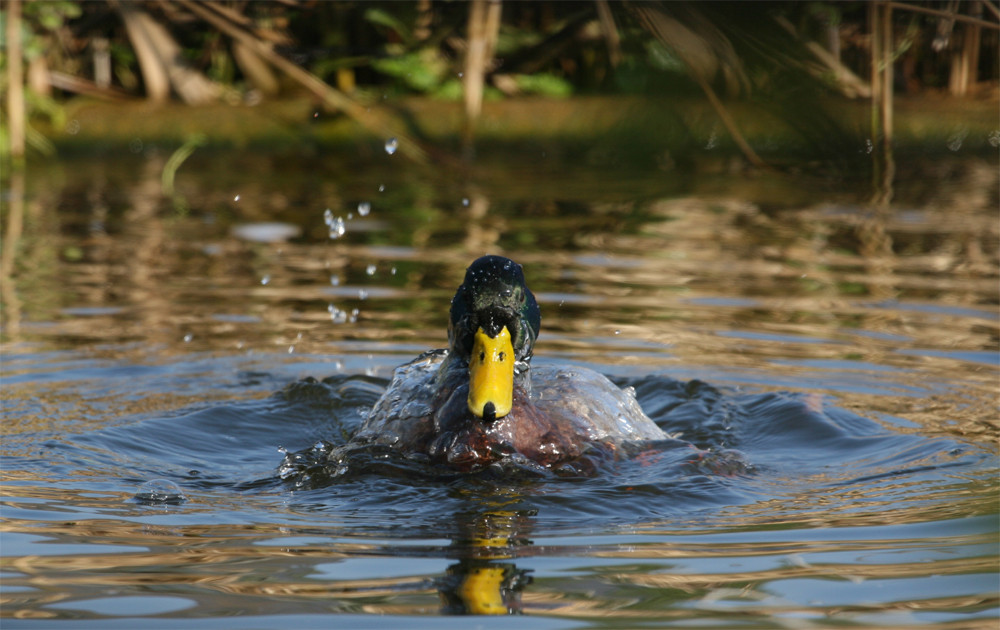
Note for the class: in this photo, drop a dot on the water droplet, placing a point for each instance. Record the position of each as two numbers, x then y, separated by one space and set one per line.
956 139
370 270
354 315
337 228
337 316
364 208
362 294
392 271
188 337
328 216
391 145
265 280
162 491
291 349
381 187
618 332
465 201
236 198
335 280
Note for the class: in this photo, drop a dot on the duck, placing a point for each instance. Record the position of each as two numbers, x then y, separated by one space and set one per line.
480 403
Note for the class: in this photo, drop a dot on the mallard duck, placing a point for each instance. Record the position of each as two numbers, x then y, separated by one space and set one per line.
480 401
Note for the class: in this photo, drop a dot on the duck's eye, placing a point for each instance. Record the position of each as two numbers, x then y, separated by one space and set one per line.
482 357
502 356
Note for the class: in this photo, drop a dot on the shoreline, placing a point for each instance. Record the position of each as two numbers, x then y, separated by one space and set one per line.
641 123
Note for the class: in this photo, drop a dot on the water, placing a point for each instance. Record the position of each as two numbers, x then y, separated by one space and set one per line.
155 388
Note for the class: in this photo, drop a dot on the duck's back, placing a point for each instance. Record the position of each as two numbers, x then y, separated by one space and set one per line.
600 410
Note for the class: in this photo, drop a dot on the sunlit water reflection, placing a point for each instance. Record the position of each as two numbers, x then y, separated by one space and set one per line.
191 343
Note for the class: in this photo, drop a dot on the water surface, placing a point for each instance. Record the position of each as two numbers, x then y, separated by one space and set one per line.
848 354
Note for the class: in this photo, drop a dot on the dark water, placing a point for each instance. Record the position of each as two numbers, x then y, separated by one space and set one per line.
172 383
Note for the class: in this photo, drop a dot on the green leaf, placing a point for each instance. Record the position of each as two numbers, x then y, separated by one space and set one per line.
382 18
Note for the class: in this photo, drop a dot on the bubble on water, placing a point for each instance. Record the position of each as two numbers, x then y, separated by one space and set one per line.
618 332
392 271
335 280
236 198
160 491
354 315
381 187
371 269
328 217
362 294
188 337
337 228
465 201
364 208
265 280
391 145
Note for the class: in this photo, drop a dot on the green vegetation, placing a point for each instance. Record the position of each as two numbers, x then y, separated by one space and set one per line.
790 66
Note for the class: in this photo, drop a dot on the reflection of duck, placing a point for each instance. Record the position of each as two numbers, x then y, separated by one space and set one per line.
484 581
480 401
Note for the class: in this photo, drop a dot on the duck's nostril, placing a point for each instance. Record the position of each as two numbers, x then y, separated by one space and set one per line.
489 412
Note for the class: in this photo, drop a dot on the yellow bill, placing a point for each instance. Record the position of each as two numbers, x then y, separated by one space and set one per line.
491 375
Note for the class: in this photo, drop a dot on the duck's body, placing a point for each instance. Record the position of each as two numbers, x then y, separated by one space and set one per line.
481 402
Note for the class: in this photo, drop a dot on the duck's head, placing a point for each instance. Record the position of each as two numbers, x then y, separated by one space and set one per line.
494 323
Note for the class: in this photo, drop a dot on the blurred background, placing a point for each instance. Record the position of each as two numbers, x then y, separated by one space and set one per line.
793 74
447 117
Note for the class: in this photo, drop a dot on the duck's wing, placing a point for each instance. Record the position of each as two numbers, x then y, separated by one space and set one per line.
597 408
